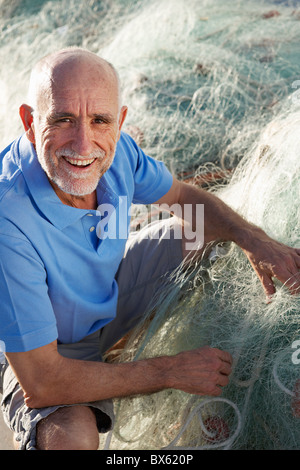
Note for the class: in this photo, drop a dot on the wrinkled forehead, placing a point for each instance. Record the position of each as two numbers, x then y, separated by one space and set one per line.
80 70
70 78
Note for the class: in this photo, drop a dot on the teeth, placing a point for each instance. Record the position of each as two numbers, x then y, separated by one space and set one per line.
79 162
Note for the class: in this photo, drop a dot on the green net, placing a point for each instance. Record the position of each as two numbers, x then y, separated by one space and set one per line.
201 79
220 302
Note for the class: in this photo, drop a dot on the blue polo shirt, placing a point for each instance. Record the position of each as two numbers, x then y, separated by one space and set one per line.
58 263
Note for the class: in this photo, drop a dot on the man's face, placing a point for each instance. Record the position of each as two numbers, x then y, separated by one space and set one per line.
76 129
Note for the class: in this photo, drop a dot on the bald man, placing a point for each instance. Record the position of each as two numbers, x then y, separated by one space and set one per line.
71 284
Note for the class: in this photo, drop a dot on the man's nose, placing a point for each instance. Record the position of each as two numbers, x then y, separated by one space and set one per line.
82 141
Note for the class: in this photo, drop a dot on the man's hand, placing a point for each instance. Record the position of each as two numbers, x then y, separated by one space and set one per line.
202 371
48 379
271 259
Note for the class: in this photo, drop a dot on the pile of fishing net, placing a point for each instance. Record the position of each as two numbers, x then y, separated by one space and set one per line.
200 78
219 301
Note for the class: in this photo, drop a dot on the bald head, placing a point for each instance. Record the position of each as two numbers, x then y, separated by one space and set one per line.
64 67
74 120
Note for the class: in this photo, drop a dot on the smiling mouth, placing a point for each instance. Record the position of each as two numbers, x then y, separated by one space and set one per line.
80 163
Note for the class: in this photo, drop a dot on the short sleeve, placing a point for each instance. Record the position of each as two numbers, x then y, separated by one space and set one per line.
152 180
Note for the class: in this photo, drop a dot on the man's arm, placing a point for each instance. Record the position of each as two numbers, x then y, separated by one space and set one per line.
268 257
47 378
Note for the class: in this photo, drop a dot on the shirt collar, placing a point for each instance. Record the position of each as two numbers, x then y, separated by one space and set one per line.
41 190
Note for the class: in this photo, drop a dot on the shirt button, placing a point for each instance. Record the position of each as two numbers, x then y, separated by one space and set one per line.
89 214
92 229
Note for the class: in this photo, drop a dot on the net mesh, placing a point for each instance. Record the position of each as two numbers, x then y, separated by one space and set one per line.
220 302
199 88
201 79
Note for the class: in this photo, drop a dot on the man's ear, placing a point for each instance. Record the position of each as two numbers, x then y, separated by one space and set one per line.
26 116
122 117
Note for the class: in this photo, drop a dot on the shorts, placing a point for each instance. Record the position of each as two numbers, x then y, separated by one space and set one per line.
151 255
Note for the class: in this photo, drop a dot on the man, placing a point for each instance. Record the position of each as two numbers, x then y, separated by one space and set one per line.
62 279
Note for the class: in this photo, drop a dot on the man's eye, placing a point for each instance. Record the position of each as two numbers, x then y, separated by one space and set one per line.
58 121
64 119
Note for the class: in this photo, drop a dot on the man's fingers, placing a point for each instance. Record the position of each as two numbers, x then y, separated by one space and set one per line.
287 272
268 285
279 261
223 381
226 361
226 368
224 356
293 283
203 371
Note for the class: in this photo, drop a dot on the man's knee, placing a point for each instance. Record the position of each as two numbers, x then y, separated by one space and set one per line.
68 428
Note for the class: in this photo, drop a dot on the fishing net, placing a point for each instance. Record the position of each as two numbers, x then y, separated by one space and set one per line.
201 78
219 301
201 86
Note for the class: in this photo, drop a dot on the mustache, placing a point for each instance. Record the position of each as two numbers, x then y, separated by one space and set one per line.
67 152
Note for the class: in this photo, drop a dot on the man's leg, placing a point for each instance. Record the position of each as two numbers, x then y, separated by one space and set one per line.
151 257
74 427
68 428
